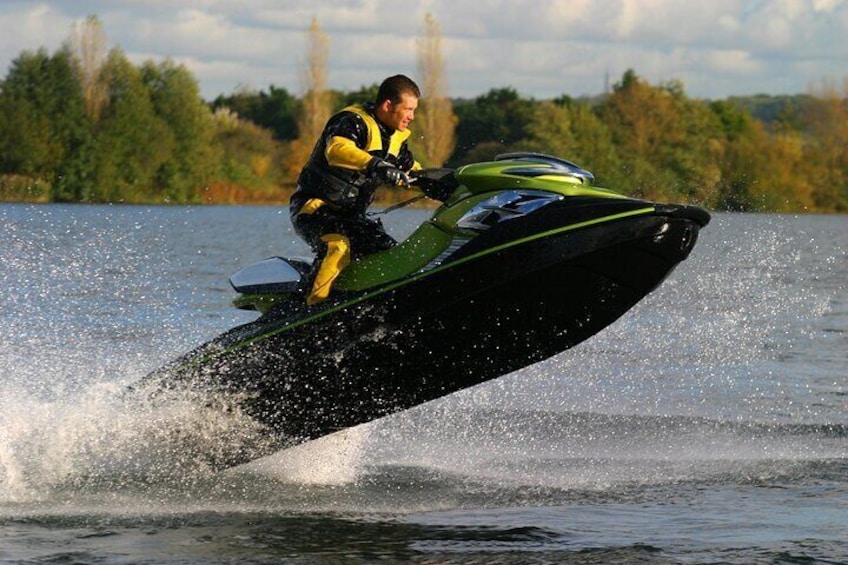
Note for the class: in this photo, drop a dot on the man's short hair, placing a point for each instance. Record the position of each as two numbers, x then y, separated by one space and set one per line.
394 87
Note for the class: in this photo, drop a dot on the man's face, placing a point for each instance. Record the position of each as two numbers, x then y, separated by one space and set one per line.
399 115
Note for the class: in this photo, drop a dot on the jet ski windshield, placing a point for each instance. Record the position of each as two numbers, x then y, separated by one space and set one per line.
504 206
554 165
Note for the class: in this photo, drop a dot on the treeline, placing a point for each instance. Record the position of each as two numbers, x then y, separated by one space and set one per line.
760 153
144 134
151 139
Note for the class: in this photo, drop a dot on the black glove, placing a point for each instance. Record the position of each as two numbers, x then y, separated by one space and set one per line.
437 192
438 184
386 172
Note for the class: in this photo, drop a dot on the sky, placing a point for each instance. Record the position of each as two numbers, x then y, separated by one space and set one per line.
541 48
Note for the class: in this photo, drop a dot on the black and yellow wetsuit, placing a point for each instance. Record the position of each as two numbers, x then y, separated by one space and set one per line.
334 191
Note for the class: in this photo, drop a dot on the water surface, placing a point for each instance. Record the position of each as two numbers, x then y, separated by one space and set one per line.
708 425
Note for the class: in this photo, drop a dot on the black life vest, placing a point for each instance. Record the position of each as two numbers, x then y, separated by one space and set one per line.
350 190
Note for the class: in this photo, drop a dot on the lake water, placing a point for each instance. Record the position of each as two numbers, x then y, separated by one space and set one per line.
708 425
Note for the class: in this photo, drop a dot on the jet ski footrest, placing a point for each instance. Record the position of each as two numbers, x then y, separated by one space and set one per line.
270 276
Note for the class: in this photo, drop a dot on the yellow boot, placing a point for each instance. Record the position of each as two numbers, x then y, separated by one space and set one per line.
334 262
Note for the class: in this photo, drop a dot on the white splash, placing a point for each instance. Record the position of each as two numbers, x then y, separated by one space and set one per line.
335 459
104 436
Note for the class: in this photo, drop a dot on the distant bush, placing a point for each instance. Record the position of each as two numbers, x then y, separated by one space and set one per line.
20 188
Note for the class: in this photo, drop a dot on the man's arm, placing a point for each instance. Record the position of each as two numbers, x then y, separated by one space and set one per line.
343 152
343 145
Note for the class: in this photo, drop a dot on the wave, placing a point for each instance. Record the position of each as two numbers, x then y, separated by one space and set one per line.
105 438
102 441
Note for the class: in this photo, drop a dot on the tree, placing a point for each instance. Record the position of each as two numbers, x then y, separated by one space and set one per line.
274 109
759 167
592 145
176 101
549 131
641 117
133 143
782 186
826 122
88 46
762 170
28 104
250 167
670 144
361 96
489 124
743 160
316 104
43 124
436 121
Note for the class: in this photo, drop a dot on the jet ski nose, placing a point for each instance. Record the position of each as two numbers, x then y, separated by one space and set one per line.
685 211
688 239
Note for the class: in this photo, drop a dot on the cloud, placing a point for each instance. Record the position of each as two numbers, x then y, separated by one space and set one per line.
208 36
31 27
541 47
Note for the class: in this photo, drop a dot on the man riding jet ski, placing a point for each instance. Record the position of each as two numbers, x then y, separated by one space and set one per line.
360 148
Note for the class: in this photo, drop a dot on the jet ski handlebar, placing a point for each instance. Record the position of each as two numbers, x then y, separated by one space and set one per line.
436 183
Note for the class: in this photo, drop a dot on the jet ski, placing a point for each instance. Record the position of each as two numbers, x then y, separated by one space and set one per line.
524 259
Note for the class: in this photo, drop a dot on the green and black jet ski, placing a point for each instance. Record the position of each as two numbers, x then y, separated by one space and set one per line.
524 259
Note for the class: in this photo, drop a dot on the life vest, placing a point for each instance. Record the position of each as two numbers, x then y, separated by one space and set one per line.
347 189
375 140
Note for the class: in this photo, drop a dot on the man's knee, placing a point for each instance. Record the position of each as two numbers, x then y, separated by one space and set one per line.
334 259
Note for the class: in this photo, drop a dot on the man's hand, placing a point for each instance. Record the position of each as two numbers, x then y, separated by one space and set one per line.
388 173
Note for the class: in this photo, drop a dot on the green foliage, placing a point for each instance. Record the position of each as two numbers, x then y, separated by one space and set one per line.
156 140
193 160
42 119
593 144
19 188
772 109
132 142
251 156
490 125
25 140
274 110
655 142
361 96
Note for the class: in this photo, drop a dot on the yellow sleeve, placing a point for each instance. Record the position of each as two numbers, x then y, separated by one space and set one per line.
343 152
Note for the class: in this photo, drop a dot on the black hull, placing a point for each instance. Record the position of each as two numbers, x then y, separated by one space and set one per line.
447 331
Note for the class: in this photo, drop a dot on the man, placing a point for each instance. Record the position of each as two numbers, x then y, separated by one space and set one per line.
360 149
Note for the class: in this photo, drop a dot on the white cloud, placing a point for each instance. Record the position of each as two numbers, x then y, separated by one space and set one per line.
32 27
826 5
733 62
541 47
